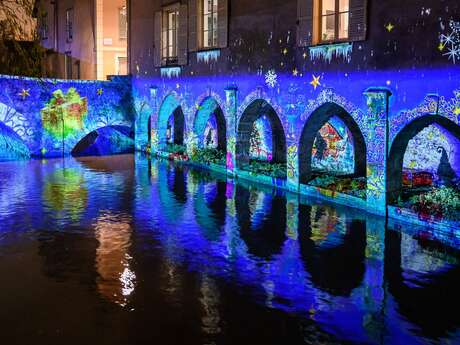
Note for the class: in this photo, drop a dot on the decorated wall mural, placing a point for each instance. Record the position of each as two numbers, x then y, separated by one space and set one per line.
436 152
333 148
48 118
261 140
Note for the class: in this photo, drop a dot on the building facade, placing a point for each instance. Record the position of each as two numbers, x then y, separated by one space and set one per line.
86 39
382 76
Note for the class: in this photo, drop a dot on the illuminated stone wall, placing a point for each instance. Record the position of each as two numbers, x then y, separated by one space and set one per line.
47 118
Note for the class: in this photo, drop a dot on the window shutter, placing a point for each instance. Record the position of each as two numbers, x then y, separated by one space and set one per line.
222 23
358 20
304 22
157 39
182 43
192 25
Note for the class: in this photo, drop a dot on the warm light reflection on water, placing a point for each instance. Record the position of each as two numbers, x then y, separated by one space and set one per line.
116 281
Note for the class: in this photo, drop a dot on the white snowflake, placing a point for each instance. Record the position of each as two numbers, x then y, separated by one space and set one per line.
271 78
452 42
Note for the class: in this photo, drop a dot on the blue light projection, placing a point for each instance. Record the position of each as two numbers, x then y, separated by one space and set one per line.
329 51
50 117
208 56
295 98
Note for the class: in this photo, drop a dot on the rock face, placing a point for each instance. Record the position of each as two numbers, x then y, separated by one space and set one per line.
108 140
11 145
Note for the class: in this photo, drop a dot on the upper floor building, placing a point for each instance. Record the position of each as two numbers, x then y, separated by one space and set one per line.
290 36
87 39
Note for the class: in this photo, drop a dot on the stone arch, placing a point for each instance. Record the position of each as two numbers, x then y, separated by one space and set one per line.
171 106
123 135
315 121
400 143
206 108
252 112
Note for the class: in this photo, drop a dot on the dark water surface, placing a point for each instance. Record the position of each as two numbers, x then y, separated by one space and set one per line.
124 250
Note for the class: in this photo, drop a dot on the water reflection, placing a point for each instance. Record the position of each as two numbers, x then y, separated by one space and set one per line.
116 281
263 234
332 249
223 261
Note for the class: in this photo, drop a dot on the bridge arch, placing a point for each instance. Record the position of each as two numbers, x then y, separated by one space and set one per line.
209 109
171 109
105 140
255 110
401 142
317 119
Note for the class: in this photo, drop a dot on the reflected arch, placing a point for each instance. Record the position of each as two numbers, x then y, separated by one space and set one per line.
333 249
400 144
251 114
171 108
309 132
208 108
261 220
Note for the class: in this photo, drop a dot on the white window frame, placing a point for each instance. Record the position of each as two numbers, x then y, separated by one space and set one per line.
170 35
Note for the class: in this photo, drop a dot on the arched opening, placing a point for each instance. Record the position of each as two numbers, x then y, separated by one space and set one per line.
261 141
332 151
424 167
12 146
109 140
210 129
171 126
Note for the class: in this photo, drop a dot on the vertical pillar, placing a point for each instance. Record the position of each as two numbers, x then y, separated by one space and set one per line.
154 143
292 164
99 9
231 105
377 148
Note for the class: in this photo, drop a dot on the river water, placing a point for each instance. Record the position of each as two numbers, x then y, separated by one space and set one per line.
127 250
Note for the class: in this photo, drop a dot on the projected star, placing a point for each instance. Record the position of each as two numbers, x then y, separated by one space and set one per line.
389 27
24 93
315 82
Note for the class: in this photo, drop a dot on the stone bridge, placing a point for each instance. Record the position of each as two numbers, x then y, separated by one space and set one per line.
48 118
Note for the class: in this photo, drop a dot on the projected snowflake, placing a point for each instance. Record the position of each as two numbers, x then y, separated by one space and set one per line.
451 42
271 78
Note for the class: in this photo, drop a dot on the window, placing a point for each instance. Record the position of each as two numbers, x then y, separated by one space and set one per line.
209 23
122 65
169 36
69 24
122 23
334 19
44 26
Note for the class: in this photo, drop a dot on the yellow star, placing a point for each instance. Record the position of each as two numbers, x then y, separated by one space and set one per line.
100 92
315 82
295 72
457 111
24 93
441 47
389 27
304 55
285 51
